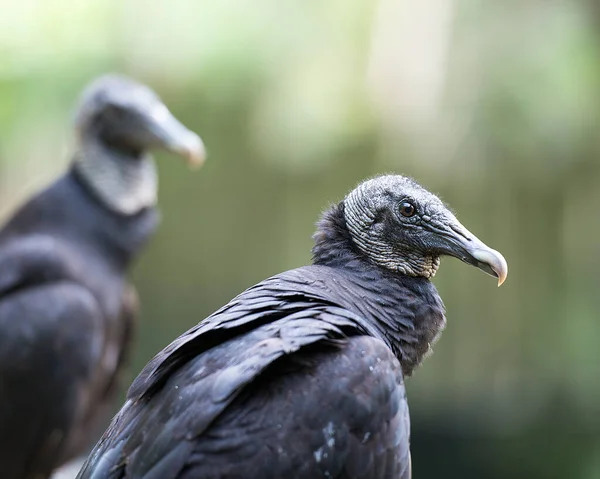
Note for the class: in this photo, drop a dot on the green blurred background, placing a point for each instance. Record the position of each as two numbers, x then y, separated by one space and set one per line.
494 105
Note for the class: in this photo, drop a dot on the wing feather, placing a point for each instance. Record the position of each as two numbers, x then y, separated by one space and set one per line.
48 348
185 392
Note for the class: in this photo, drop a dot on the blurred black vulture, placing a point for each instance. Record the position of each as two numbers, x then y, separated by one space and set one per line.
67 314
302 375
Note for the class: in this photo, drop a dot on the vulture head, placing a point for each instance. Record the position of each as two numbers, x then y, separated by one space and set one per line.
129 117
397 224
116 124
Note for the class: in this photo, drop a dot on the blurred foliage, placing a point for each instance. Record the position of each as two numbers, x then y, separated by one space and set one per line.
495 106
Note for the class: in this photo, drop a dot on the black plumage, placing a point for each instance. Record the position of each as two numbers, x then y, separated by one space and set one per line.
302 375
67 314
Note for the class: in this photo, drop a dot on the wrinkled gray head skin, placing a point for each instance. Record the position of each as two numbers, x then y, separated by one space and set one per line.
117 122
401 226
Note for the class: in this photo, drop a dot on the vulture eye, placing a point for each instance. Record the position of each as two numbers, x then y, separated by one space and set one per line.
407 209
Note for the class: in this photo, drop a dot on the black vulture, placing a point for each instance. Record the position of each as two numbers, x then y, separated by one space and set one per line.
302 375
67 314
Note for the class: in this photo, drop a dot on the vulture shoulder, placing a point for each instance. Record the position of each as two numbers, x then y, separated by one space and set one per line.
46 322
195 386
47 319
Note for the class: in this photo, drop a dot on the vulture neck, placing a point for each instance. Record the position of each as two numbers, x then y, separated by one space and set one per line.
407 311
124 182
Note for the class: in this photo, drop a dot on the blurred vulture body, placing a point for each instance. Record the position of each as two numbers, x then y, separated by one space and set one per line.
67 314
302 375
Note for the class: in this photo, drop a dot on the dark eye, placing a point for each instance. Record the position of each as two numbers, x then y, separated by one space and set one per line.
407 209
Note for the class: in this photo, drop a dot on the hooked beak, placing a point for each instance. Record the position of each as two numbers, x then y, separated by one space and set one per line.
488 260
175 137
459 242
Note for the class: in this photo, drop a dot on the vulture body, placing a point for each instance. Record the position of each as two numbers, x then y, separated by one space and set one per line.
67 314
302 375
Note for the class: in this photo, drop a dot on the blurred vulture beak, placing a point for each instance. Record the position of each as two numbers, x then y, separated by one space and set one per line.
173 136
